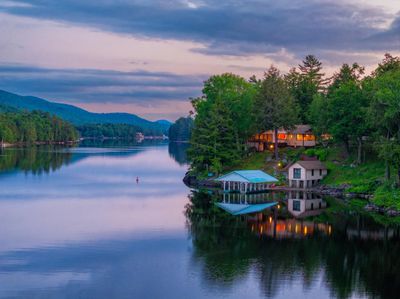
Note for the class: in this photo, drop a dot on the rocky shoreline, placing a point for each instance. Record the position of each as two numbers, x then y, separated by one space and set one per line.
339 192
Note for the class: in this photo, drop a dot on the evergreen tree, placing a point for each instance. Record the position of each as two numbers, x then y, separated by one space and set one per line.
275 106
306 83
181 130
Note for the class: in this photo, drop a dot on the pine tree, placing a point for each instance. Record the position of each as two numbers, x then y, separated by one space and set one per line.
306 84
275 106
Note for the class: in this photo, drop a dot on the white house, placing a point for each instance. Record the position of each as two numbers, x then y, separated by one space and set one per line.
306 174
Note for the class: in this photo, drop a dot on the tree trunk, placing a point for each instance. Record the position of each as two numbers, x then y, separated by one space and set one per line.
238 142
359 151
387 163
346 148
398 176
387 170
276 145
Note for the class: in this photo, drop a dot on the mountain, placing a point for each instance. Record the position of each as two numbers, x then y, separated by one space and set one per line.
79 116
164 122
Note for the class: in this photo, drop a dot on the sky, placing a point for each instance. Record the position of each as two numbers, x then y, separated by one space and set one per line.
149 57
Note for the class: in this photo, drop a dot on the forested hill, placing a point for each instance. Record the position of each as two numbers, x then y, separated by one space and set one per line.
79 116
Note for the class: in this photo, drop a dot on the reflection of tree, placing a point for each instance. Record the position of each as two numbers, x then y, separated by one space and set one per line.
177 151
228 252
36 160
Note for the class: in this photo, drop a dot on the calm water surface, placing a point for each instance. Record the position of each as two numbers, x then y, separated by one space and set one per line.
75 224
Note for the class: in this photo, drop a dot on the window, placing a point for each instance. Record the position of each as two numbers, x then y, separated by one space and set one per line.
309 137
299 137
297 173
320 172
296 205
281 136
312 172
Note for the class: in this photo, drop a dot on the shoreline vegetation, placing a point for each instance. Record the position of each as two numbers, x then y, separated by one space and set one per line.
23 128
360 113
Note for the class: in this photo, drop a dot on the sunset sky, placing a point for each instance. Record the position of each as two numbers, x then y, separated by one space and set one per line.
149 56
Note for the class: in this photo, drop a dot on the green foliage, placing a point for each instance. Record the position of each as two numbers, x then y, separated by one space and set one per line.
36 126
321 153
275 107
387 195
305 84
121 131
362 178
181 130
384 112
223 123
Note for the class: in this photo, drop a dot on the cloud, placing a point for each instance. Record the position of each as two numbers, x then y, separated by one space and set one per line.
99 86
232 27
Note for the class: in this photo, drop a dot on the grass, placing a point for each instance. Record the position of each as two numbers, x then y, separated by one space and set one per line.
387 195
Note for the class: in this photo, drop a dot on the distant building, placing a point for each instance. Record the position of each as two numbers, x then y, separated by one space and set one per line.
306 174
139 136
300 136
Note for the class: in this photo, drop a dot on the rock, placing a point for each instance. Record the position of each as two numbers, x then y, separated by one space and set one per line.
392 213
193 182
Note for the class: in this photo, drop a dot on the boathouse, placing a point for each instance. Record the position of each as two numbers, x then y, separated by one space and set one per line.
246 181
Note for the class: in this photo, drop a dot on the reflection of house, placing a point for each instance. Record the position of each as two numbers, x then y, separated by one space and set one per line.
301 135
304 204
288 228
306 174
245 181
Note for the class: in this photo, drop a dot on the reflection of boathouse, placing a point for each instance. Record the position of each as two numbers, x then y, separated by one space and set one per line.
303 204
251 198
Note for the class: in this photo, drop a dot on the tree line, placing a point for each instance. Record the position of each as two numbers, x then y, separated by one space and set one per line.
33 127
181 130
120 131
36 126
352 107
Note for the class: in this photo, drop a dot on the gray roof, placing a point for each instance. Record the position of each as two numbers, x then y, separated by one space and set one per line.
312 164
301 129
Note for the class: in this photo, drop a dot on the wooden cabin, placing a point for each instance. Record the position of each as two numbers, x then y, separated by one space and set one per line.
300 136
306 174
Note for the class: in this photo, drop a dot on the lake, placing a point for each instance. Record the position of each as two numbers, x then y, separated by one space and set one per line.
75 223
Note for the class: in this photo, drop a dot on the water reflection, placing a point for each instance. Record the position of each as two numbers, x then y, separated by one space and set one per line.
88 230
327 257
302 204
251 198
35 160
39 160
178 151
